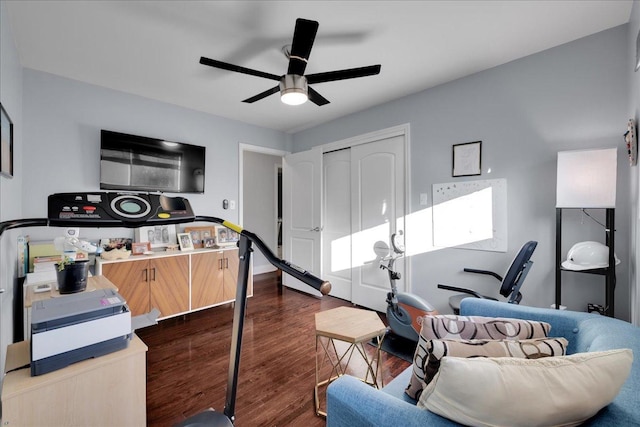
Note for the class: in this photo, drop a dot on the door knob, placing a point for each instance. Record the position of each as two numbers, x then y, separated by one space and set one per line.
317 229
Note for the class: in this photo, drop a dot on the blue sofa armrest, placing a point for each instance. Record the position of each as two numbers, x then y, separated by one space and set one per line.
351 403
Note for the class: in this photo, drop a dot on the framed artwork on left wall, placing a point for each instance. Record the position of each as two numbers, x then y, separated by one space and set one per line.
6 144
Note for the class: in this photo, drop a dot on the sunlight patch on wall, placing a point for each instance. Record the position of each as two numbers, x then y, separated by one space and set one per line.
463 220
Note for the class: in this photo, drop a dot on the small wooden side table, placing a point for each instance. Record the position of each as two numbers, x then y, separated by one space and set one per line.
355 327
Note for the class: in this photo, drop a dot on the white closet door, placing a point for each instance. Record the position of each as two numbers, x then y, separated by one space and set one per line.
336 235
378 209
301 214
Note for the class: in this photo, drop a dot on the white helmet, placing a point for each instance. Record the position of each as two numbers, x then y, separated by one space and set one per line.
587 256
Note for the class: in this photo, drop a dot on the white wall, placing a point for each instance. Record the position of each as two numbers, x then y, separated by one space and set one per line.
10 189
569 97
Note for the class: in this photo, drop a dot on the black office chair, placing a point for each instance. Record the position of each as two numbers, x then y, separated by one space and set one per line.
511 283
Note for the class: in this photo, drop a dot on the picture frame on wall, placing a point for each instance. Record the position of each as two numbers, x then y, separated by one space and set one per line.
467 159
6 144
185 242
158 236
226 237
199 234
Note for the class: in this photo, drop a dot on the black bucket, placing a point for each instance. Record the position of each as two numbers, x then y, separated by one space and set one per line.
73 278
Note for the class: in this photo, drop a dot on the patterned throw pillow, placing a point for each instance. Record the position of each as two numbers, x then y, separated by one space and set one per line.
478 327
446 326
429 354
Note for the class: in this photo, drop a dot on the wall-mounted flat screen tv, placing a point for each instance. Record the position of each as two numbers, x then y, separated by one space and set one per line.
138 163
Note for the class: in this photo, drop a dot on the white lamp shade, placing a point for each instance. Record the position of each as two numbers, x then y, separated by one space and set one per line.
587 178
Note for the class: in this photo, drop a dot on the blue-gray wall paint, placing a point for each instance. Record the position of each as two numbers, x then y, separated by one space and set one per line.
570 97
63 119
10 189
634 177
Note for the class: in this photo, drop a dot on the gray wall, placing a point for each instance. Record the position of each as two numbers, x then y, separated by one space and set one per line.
57 127
10 189
570 97
63 119
634 177
259 202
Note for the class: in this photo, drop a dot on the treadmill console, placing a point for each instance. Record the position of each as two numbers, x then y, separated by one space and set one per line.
104 209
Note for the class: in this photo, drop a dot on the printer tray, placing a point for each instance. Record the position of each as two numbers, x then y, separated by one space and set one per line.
62 360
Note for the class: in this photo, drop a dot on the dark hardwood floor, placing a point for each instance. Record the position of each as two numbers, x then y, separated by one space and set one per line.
188 360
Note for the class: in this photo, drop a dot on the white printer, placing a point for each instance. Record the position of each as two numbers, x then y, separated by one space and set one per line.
75 327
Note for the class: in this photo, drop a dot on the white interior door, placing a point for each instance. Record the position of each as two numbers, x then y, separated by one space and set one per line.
378 209
336 235
301 214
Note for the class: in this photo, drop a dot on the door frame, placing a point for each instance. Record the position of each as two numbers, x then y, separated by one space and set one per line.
399 130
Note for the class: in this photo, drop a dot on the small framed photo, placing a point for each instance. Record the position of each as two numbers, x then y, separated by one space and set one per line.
467 159
140 248
199 234
226 237
6 144
158 236
184 240
209 242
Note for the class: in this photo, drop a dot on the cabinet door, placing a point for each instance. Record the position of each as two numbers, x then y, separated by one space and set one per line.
206 279
169 284
230 270
131 278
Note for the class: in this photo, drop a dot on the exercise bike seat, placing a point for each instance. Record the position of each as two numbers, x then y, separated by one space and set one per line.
510 284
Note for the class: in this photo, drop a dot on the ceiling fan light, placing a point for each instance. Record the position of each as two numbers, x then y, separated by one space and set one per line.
293 89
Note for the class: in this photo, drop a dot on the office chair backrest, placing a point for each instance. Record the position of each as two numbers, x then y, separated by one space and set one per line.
519 263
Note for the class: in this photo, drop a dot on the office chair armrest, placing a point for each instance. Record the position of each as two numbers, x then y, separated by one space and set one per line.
487 272
463 290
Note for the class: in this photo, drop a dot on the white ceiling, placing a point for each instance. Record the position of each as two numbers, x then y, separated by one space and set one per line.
152 48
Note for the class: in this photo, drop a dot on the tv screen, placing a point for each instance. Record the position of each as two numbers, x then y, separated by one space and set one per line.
138 163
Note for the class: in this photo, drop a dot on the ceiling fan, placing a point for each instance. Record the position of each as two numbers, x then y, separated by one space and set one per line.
294 86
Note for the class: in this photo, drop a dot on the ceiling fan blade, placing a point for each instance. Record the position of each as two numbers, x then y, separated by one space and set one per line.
316 98
237 68
351 73
303 38
264 94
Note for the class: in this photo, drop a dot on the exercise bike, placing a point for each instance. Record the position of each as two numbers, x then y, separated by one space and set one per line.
403 309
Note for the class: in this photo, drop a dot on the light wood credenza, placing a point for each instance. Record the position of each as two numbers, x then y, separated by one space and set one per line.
105 391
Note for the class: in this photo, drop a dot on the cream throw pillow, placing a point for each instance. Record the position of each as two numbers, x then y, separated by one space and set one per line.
552 391
429 353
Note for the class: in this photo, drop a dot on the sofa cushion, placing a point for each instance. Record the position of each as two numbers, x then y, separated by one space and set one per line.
429 354
565 390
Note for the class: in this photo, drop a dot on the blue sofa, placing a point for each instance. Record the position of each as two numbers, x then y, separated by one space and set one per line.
351 403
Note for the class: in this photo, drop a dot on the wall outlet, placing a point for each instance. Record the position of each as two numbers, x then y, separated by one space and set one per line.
72 232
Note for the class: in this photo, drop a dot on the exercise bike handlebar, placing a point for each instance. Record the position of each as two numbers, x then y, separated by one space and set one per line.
323 286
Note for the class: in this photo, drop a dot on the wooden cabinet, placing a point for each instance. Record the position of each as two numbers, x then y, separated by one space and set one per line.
176 283
161 283
214 277
109 390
